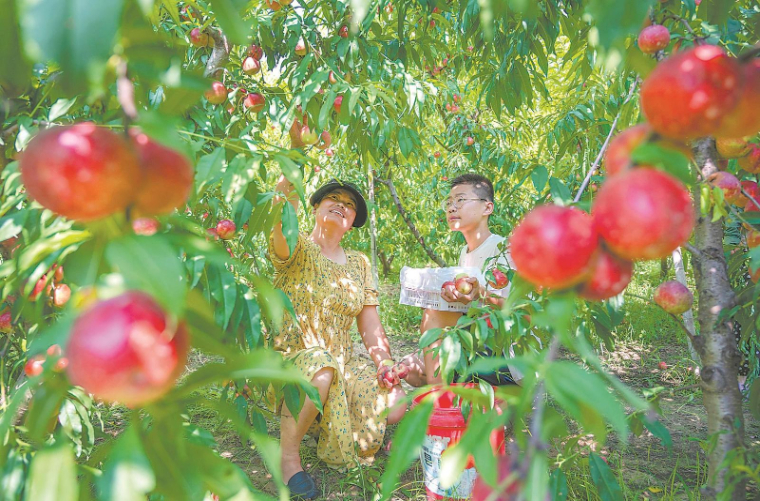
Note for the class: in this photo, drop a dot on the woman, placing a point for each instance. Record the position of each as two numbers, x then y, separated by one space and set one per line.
330 287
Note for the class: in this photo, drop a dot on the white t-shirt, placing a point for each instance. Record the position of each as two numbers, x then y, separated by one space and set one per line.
481 258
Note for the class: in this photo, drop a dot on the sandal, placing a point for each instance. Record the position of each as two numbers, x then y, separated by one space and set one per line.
302 486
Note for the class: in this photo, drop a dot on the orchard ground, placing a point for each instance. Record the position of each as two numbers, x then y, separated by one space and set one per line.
644 468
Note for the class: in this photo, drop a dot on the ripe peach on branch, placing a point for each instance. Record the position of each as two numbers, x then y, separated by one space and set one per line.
166 177
553 246
643 214
609 277
226 229
127 350
82 171
217 94
653 38
689 94
673 297
729 185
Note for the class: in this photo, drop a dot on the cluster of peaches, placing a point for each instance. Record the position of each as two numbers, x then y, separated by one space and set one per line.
641 212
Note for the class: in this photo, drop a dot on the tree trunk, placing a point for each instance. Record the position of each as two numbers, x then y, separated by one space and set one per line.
664 268
716 344
373 223
688 317
386 262
405 215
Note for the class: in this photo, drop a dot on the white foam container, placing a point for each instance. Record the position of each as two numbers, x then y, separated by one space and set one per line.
421 287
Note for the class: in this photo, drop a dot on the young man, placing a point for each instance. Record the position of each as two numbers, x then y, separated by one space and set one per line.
468 208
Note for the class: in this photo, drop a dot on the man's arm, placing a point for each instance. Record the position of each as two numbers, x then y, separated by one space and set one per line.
280 244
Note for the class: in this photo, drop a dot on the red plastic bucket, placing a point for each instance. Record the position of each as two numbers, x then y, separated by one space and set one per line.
445 429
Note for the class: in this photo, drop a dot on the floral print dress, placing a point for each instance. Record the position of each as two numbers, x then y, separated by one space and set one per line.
327 297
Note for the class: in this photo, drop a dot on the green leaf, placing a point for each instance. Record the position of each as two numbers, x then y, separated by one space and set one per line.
407 443
715 11
225 291
43 248
127 474
78 34
262 365
558 485
222 477
430 336
539 176
476 440
208 169
290 226
8 417
671 161
152 265
43 409
60 108
559 191
450 355
293 173
658 430
267 447
53 475
537 483
230 17
13 472
252 321
237 178
615 21
11 225
293 399
272 303
163 129
604 479
585 396
15 70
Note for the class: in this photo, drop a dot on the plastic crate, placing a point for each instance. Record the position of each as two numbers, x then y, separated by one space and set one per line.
421 287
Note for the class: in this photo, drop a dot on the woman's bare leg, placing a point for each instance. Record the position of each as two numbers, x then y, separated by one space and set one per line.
292 431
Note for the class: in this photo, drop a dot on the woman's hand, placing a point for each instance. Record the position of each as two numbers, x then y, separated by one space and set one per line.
386 378
281 249
389 376
284 186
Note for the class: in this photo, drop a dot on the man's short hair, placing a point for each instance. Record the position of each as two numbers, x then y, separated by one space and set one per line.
481 185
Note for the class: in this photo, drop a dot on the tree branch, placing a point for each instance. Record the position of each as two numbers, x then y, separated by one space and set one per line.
696 252
680 323
125 92
750 53
685 23
535 443
599 157
750 198
219 55
405 215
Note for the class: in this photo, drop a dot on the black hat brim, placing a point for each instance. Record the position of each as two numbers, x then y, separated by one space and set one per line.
334 184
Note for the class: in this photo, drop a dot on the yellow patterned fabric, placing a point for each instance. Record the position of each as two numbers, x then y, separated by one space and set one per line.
327 297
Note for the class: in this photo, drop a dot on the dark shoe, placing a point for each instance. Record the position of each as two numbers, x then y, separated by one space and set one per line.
302 486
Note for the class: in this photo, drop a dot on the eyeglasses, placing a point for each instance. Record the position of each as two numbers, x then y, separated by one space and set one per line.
457 203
